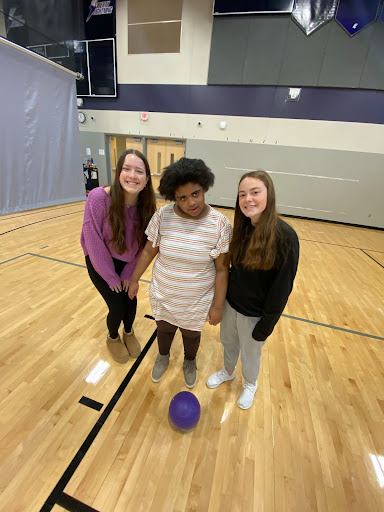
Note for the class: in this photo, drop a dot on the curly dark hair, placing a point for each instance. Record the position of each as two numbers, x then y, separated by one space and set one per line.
185 170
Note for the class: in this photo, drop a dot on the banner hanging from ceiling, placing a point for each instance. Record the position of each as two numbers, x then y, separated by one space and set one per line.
312 14
354 15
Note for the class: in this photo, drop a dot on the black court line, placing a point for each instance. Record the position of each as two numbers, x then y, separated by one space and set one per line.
55 259
38 222
287 316
338 245
74 505
46 209
73 465
84 400
335 222
334 327
372 258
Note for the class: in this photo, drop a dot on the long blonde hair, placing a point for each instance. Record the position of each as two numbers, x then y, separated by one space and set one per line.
255 247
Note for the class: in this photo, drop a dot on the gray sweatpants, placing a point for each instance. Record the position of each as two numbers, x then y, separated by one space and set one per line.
236 337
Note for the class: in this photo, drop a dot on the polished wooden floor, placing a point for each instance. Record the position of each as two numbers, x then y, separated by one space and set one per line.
313 441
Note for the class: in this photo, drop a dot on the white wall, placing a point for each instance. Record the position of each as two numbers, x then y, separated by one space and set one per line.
359 137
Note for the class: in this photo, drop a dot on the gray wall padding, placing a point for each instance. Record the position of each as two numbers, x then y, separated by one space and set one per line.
342 186
265 45
228 46
273 50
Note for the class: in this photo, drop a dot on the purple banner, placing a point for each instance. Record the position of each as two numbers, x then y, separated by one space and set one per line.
311 14
354 15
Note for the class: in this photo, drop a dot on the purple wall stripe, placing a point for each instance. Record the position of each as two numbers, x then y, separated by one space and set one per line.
325 104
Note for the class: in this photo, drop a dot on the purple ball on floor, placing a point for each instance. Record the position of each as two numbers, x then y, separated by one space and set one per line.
184 411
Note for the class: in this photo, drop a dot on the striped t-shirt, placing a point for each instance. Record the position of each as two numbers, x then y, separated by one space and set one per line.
184 272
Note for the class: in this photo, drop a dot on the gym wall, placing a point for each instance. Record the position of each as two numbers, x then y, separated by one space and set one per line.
325 152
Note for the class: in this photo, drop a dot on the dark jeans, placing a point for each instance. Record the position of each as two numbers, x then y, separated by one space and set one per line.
121 307
166 333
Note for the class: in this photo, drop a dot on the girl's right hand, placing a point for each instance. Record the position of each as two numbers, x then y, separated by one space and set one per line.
133 289
117 288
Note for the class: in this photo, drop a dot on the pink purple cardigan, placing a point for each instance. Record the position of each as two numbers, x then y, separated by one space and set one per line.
96 238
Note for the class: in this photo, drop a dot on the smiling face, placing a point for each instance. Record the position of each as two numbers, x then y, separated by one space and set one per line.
190 198
253 197
133 176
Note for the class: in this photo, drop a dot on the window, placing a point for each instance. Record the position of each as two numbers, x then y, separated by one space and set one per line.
153 26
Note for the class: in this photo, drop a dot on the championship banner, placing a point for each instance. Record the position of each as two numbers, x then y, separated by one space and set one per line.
312 14
354 15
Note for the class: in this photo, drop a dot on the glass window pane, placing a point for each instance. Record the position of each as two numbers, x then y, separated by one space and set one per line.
101 65
154 38
154 10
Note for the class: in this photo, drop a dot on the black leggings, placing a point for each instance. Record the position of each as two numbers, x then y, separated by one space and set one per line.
121 307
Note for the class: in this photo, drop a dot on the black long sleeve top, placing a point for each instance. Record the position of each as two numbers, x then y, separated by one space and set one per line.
264 293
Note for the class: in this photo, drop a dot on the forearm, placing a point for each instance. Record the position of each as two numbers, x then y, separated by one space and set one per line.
221 285
144 261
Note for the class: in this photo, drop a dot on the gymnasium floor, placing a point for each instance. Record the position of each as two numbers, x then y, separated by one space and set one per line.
313 440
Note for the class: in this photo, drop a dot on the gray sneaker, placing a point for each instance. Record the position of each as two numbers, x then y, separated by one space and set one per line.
161 364
189 368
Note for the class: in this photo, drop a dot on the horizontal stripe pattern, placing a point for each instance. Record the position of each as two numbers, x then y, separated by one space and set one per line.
184 272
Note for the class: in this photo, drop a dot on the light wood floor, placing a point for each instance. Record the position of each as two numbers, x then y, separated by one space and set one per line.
313 441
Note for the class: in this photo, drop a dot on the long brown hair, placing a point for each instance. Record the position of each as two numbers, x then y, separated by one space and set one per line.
255 247
146 206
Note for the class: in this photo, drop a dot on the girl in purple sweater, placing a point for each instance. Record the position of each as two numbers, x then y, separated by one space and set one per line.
112 239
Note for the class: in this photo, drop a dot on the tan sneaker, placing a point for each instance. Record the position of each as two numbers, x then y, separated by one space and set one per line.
117 349
133 346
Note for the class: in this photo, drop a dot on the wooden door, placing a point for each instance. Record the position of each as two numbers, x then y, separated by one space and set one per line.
113 152
156 155
134 143
175 151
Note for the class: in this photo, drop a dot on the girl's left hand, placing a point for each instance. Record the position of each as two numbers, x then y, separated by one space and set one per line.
125 285
214 315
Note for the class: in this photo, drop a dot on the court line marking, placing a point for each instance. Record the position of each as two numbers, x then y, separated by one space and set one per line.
372 258
338 245
58 490
70 503
92 404
48 209
333 327
54 259
38 222
284 315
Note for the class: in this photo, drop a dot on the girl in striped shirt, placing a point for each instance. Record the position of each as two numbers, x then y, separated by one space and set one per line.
189 277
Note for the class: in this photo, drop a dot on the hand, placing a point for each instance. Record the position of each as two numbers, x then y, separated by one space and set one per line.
214 315
117 288
133 289
125 285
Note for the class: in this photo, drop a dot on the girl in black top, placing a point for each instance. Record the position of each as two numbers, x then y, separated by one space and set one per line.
264 254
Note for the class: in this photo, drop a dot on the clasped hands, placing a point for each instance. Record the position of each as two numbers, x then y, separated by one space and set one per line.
131 287
122 286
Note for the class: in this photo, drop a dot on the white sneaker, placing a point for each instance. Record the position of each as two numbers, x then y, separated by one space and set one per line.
246 398
219 377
